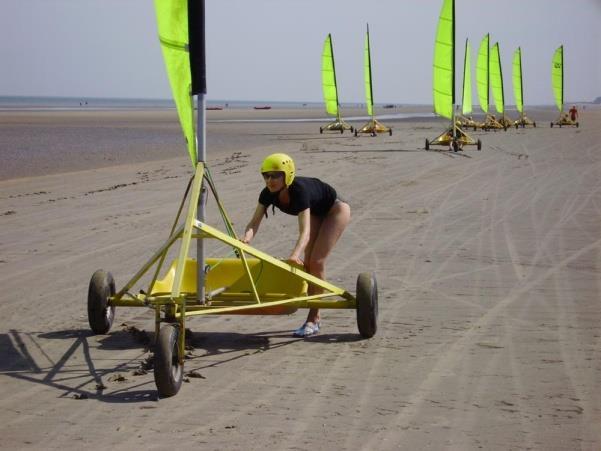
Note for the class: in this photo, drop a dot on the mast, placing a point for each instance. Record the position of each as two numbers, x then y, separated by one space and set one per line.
371 92
487 70
501 75
561 78
521 84
335 81
453 70
465 56
196 24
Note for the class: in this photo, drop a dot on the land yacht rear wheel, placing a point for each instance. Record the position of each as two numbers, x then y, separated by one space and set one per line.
367 304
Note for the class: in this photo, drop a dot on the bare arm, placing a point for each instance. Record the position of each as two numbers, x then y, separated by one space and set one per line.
253 226
304 232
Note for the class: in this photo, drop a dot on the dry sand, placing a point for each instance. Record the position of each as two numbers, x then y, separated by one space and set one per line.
488 266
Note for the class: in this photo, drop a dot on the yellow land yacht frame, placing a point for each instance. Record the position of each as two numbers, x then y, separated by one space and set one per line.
252 283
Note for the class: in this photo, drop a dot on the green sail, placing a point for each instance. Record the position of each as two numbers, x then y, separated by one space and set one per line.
171 14
443 76
328 77
518 87
557 77
467 81
496 79
369 99
482 73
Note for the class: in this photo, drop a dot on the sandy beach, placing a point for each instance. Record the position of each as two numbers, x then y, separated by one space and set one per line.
488 267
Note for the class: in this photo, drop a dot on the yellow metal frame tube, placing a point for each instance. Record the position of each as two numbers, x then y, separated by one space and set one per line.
271 260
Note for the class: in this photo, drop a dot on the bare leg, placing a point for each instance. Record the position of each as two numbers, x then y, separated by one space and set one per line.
329 232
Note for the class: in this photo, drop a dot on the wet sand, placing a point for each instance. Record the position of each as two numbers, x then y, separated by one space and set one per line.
488 267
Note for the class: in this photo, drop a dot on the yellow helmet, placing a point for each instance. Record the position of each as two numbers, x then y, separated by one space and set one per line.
282 163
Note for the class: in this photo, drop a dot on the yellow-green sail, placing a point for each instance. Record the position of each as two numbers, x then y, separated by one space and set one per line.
369 99
467 81
518 87
496 79
328 77
557 77
482 73
443 71
171 14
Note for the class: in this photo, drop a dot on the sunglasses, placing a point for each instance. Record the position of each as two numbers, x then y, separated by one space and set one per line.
272 175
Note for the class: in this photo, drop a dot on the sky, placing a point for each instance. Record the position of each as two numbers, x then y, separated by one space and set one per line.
271 49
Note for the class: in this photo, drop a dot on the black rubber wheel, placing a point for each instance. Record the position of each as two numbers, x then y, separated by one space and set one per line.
341 131
352 130
551 124
534 123
516 126
577 125
455 146
479 145
373 134
100 313
427 144
320 130
390 132
168 371
367 304
355 133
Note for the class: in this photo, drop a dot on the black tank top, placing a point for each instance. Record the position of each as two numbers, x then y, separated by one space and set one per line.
305 192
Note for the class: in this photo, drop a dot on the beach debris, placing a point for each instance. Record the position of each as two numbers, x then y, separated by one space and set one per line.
195 374
80 396
100 386
36 193
9 212
140 335
117 378
489 345
145 366
110 188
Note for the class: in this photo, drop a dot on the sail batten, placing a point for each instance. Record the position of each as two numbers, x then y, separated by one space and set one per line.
496 79
443 67
328 77
482 73
557 77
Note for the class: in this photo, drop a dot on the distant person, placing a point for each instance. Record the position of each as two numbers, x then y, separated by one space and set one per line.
322 217
573 113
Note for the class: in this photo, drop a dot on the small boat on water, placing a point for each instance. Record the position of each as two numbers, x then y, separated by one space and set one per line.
265 107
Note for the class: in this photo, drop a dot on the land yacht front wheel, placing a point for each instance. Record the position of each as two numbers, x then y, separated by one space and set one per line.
367 304
168 369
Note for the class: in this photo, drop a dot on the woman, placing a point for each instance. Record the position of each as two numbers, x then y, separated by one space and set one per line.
322 217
